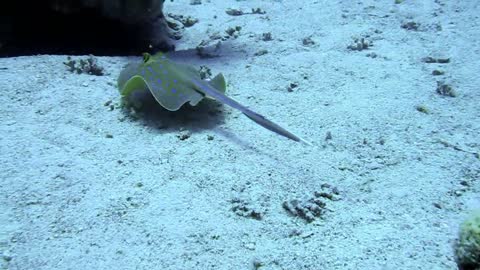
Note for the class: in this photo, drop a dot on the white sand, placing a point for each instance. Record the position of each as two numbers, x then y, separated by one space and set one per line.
71 198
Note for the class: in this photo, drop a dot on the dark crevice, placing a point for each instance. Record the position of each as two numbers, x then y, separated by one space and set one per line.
39 29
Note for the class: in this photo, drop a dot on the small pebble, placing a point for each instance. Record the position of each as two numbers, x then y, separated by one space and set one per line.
7 257
437 72
250 246
184 135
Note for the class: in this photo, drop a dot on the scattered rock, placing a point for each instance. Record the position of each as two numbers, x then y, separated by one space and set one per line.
446 90
6 256
314 207
308 41
267 36
422 109
205 72
234 12
359 45
206 50
329 192
437 72
410 26
250 246
430 60
328 136
257 11
237 12
260 53
292 86
184 135
88 66
307 209
257 264
244 209
233 31
186 21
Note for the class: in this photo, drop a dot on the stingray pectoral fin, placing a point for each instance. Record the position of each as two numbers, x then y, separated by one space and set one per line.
126 74
173 95
257 118
135 83
218 82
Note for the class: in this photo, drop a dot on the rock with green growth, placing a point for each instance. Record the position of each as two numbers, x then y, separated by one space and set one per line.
467 248
422 109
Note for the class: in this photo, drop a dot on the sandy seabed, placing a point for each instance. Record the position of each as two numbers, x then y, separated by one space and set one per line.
392 171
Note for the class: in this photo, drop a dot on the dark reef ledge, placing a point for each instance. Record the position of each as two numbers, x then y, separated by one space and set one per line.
100 27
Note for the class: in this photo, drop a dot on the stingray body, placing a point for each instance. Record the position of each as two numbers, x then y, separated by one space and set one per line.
173 84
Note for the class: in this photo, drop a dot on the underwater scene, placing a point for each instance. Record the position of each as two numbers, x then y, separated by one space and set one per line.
240 134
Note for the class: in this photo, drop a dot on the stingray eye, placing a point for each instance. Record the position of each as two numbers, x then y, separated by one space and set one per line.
146 57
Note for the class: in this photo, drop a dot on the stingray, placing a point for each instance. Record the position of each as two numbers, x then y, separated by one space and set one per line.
174 84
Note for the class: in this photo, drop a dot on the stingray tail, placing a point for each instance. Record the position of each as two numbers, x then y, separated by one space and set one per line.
264 122
257 118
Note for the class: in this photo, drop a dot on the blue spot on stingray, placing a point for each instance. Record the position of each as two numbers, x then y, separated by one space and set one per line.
174 90
151 70
175 81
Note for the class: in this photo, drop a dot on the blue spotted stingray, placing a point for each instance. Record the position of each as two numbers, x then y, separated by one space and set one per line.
174 84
